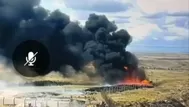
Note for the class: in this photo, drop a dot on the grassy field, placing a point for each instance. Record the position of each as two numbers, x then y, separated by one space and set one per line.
168 84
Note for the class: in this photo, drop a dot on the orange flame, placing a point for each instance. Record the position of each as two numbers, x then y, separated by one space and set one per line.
133 79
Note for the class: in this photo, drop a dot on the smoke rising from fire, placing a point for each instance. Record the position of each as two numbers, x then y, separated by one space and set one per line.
67 42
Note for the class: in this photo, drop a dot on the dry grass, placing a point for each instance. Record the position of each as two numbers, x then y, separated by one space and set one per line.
81 78
168 84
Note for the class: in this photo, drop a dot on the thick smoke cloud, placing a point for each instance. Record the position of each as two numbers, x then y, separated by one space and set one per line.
68 43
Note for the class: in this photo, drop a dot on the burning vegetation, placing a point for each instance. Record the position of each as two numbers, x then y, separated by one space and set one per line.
134 78
69 44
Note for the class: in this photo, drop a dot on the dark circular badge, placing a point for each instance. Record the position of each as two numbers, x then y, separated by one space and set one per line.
31 58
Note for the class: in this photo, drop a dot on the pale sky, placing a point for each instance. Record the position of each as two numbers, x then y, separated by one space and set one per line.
149 22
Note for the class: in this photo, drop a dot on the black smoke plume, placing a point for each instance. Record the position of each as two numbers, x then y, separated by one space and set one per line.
68 42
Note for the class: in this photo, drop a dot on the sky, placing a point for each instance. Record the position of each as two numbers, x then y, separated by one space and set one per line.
155 25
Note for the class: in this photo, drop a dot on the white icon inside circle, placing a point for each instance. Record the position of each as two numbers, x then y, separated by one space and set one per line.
30 59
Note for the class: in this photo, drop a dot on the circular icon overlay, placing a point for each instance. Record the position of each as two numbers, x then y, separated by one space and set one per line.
31 58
